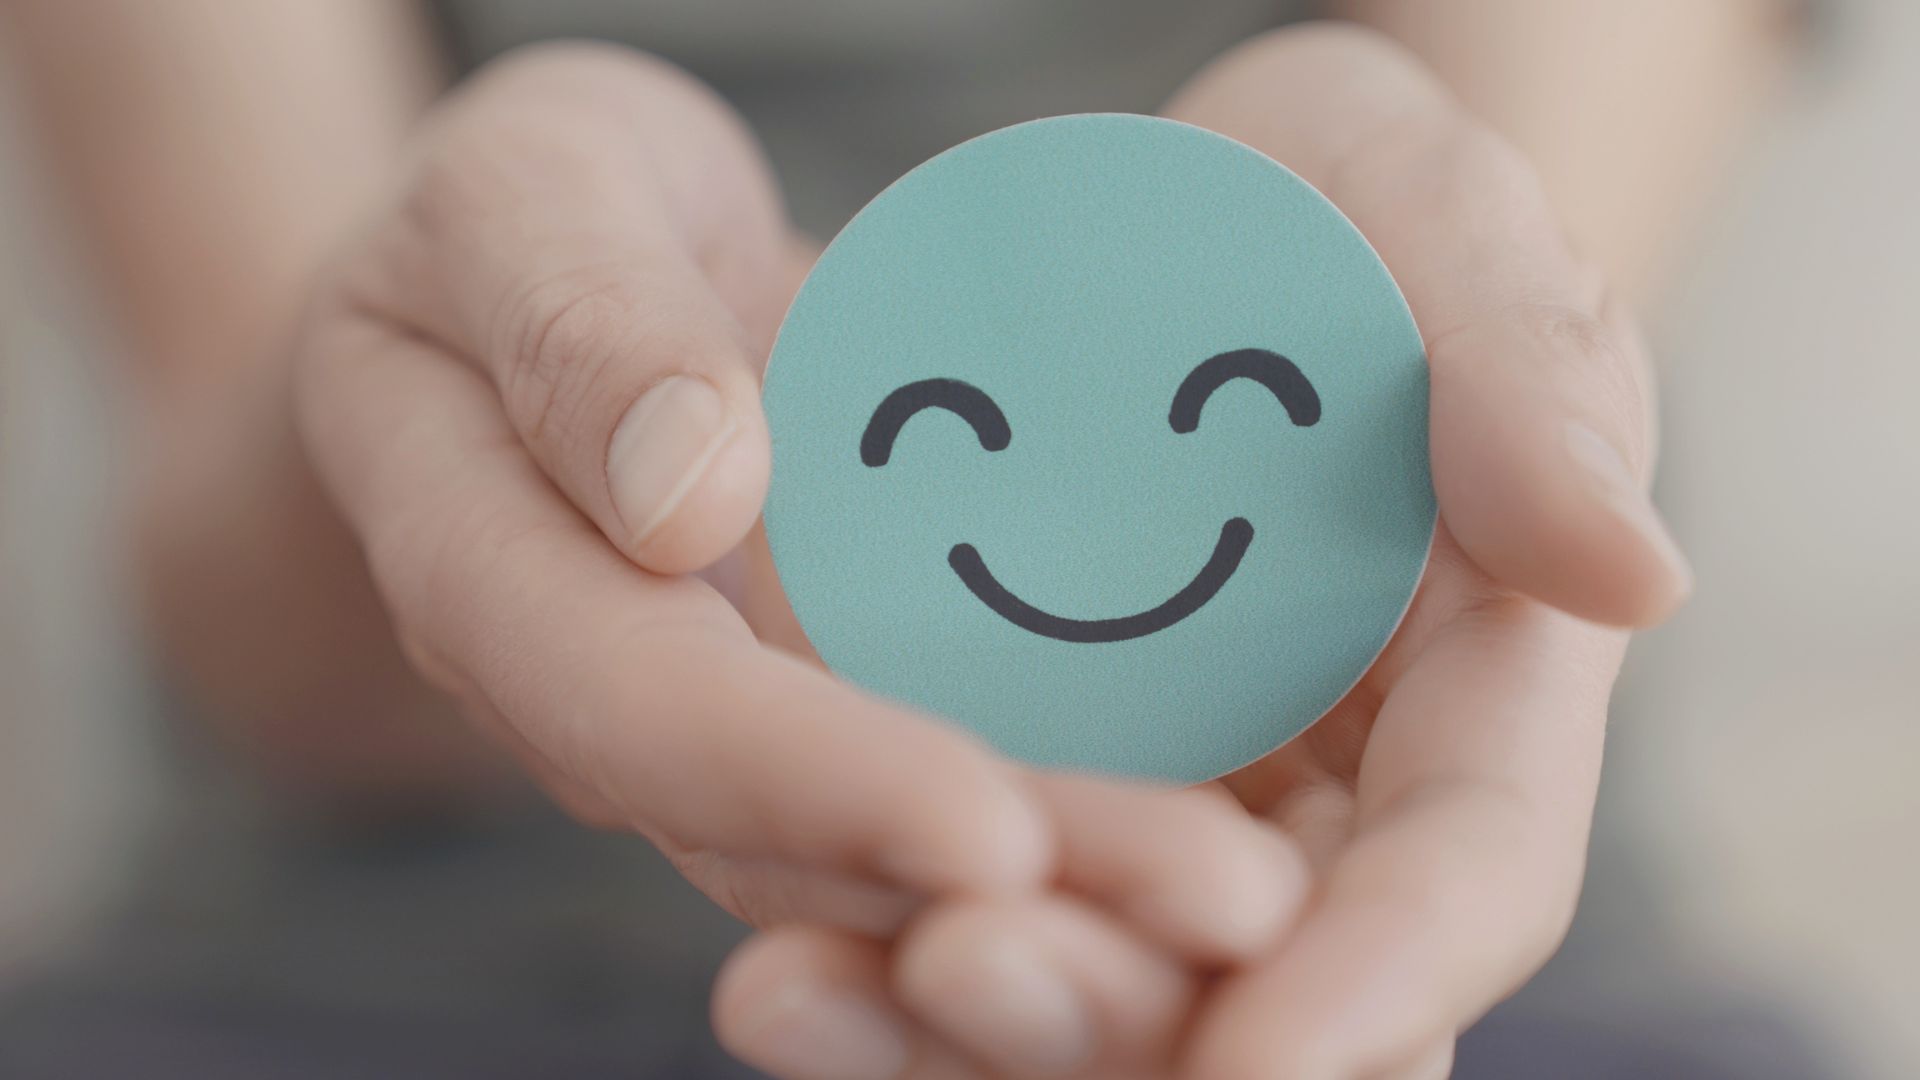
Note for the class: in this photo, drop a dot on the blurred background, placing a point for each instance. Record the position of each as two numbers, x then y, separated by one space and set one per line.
1755 870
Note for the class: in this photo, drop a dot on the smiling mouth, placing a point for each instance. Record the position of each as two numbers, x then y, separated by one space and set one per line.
1235 535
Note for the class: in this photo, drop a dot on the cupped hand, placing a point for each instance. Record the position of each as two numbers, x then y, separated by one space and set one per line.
1444 805
533 390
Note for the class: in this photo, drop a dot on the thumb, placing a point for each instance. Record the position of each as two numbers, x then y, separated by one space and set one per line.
595 233
1542 451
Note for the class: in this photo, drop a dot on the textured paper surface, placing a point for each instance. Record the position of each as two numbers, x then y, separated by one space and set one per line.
1075 271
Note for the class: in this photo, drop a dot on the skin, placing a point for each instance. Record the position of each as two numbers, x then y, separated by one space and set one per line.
578 224
1444 822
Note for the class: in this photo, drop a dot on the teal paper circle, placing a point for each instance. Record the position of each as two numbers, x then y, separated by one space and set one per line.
1075 271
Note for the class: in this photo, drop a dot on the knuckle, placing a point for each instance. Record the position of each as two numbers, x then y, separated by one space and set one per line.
1602 363
760 900
478 164
410 568
427 660
559 337
755 896
1596 369
453 182
1577 335
759 904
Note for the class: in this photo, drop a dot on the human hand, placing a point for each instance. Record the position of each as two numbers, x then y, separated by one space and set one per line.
581 228
1445 803
533 391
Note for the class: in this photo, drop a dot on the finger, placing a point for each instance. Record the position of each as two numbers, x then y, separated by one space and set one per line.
1474 806
1041 987
598 236
802 1003
1540 408
1189 868
760 892
809 1004
647 692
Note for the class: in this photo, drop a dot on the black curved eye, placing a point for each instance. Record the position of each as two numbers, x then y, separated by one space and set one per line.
964 400
1269 369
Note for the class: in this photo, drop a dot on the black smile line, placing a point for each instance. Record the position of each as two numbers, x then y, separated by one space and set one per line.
1235 535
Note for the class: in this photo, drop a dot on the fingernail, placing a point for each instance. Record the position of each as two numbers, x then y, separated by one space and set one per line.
1023 1011
1620 490
805 1032
661 447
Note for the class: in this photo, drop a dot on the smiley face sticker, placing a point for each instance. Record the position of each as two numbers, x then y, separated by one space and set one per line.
1106 437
